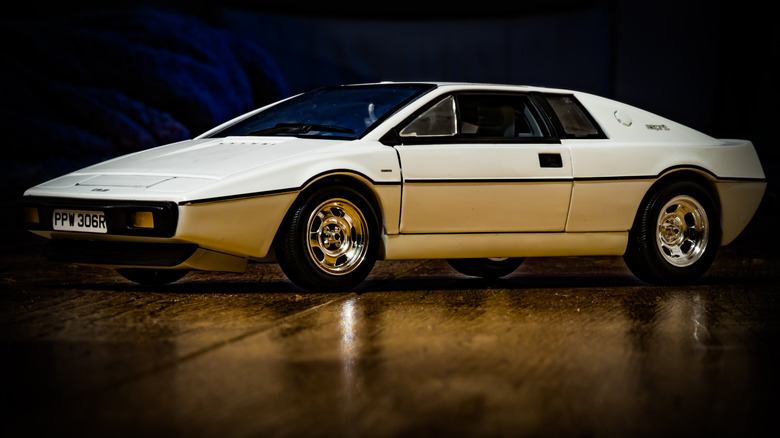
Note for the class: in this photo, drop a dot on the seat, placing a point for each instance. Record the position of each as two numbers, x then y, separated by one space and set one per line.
496 121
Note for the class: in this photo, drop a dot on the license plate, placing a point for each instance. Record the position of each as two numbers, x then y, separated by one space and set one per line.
79 220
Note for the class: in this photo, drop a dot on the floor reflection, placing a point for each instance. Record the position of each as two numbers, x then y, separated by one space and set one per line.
349 353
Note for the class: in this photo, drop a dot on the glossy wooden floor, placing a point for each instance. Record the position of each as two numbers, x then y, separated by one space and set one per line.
565 347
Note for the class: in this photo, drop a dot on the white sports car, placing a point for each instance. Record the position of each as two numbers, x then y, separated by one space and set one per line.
327 182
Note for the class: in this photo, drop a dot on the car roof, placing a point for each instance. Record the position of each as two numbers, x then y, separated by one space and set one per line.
480 85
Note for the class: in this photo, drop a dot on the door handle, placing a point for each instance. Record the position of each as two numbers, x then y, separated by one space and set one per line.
550 160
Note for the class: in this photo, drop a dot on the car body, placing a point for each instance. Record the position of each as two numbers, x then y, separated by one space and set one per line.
483 175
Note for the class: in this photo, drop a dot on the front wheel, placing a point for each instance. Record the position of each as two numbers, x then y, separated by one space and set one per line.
675 236
486 268
329 241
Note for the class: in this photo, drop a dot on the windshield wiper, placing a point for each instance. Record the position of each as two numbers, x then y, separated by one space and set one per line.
300 128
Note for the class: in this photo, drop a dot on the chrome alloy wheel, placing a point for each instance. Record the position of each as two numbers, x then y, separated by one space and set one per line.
338 235
683 231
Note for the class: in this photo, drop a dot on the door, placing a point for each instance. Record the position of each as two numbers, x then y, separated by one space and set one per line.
483 163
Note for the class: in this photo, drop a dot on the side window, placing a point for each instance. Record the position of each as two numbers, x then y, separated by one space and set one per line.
479 117
574 120
438 121
498 116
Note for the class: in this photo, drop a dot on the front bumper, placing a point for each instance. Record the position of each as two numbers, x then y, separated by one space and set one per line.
124 245
36 214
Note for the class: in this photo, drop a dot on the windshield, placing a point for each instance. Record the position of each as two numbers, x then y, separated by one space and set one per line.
345 112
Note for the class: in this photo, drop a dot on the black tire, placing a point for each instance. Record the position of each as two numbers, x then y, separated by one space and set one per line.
675 236
329 241
152 277
486 268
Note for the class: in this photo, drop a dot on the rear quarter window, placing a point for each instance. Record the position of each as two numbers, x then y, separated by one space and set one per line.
574 120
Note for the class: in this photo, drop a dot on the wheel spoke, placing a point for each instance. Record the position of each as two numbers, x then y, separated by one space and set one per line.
314 239
670 250
329 261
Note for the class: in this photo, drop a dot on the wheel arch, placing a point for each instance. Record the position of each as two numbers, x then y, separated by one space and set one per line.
706 180
355 181
696 175
672 254
735 200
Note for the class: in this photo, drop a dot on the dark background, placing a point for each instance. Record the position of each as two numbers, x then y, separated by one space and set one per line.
82 83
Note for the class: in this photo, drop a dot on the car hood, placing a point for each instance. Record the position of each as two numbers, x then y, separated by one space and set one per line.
212 158
180 167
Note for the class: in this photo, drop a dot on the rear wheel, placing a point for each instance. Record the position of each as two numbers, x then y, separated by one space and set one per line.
486 268
329 241
676 235
152 277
